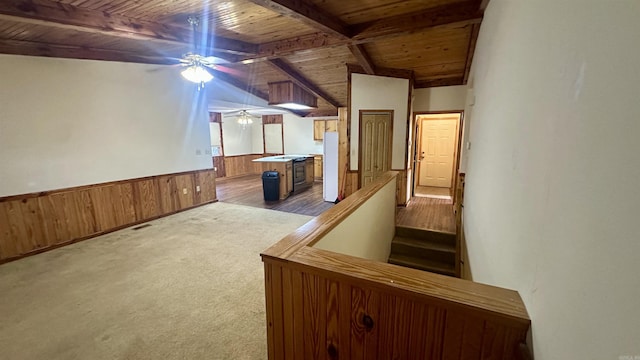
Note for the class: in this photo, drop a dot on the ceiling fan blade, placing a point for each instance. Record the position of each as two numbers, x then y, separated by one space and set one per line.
214 60
228 70
162 68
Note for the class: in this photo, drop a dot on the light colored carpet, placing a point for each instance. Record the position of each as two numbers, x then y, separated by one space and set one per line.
190 286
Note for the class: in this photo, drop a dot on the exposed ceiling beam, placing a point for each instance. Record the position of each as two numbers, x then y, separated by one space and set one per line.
363 58
59 15
466 12
381 71
473 38
290 46
78 52
438 82
218 75
459 14
303 82
309 14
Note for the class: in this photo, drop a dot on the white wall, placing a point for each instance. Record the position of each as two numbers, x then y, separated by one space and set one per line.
67 123
257 137
238 139
370 92
439 98
298 136
551 204
368 231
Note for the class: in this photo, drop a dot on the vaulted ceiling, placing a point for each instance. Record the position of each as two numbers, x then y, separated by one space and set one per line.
310 42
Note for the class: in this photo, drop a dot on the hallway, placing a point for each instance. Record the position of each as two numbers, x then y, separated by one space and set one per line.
428 213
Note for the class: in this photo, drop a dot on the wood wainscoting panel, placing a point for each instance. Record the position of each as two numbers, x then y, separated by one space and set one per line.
32 223
242 165
146 199
313 315
401 188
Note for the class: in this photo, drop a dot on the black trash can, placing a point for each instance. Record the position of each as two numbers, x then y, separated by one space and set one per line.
271 185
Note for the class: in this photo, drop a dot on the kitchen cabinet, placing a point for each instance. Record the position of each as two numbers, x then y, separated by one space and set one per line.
322 126
309 168
286 176
317 167
331 126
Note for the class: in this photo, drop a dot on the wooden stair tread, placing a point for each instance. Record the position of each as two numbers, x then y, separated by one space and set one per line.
427 235
424 244
422 264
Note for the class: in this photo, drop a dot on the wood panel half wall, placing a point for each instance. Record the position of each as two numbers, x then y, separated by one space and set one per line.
242 165
32 223
340 302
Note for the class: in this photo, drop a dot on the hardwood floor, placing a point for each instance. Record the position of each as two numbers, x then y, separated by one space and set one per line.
433 192
247 190
428 213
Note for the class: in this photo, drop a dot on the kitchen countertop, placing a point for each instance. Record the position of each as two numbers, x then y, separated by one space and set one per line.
281 158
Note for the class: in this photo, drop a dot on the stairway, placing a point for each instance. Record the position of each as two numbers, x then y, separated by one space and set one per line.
426 250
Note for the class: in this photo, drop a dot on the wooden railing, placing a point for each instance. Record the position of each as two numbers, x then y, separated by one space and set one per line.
322 304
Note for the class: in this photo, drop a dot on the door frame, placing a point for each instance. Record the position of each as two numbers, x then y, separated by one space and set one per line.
216 117
272 120
456 165
360 131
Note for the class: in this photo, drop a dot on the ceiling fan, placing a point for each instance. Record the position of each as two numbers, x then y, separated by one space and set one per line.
196 65
244 118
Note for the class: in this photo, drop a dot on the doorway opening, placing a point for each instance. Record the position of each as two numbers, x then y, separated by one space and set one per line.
217 144
436 154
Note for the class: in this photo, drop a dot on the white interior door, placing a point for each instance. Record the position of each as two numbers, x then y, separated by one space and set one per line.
437 153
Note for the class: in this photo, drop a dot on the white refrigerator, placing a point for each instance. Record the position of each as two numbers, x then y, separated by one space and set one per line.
330 167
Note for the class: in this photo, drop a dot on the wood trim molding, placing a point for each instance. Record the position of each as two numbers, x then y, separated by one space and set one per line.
236 156
473 38
451 81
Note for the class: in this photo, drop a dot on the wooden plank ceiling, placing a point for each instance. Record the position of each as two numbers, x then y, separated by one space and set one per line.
307 41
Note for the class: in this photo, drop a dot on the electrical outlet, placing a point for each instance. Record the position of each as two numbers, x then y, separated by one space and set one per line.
198 152
198 188
184 191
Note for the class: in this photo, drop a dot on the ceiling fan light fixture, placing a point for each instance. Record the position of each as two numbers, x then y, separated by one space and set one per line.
196 74
244 118
244 121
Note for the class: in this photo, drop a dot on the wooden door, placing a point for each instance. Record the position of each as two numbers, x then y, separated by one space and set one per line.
437 152
375 145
